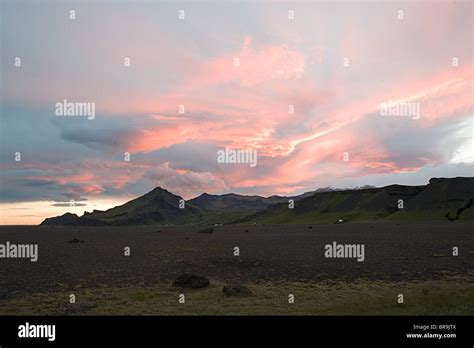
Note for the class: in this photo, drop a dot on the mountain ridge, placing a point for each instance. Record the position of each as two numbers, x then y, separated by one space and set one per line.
439 199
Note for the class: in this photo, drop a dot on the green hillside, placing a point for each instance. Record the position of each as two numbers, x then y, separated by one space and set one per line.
442 199
430 203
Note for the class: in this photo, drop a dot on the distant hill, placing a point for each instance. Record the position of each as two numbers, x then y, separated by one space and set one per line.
433 202
157 206
237 203
442 199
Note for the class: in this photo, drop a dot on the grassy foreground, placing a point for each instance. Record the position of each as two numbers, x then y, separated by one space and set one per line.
452 295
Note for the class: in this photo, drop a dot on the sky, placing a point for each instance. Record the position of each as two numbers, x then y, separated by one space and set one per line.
304 84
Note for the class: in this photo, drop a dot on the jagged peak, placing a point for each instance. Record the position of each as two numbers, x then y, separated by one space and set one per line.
69 214
159 191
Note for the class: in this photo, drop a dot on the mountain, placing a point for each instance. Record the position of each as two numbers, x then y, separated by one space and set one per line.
442 199
235 203
441 196
155 207
69 219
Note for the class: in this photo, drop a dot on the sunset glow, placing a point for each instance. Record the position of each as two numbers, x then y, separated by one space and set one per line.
301 92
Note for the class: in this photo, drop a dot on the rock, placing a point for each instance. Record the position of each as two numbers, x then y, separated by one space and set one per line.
75 240
191 281
237 290
207 230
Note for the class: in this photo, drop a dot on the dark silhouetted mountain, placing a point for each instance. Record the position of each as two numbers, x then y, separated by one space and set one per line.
156 207
69 219
389 203
441 199
235 203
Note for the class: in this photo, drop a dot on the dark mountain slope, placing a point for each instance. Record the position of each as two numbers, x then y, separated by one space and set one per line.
234 203
441 199
430 202
155 207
